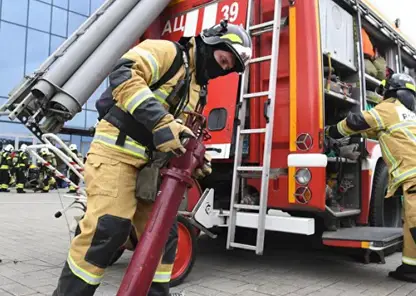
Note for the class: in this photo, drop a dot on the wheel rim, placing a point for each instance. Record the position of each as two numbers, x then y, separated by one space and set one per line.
184 251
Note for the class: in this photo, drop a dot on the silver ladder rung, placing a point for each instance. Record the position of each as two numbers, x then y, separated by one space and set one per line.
250 168
262 25
246 207
273 174
260 59
256 94
253 131
242 246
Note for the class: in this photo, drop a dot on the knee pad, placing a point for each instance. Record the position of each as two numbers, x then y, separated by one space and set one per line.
111 233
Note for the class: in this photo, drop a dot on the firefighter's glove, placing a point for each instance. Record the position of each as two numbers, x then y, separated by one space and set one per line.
349 151
206 168
168 134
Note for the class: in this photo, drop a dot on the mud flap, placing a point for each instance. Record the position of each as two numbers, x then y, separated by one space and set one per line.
371 239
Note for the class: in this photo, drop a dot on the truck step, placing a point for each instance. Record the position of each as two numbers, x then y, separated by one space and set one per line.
376 238
344 213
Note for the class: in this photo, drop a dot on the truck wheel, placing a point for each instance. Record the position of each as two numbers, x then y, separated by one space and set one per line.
186 251
384 212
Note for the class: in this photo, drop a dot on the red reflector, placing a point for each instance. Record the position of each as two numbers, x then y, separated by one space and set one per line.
303 195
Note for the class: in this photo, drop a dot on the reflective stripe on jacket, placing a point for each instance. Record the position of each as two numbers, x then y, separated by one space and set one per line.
130 79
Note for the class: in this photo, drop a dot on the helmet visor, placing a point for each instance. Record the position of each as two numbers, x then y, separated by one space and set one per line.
243 55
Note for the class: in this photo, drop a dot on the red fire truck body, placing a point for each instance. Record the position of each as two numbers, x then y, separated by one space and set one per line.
314 36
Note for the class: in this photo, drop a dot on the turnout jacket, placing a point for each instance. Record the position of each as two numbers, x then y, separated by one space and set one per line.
394 126
139 68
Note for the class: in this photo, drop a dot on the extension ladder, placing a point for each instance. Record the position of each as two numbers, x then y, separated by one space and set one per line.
264 170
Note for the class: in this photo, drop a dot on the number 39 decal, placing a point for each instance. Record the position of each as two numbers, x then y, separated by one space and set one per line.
230 12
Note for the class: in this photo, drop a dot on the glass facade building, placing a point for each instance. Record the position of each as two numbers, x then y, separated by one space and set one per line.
31 30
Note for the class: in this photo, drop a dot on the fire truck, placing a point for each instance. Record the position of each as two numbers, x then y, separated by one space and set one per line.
273 167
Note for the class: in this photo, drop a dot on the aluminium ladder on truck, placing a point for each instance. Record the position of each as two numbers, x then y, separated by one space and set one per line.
264 170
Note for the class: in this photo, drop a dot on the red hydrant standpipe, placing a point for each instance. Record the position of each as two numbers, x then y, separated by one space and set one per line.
176 178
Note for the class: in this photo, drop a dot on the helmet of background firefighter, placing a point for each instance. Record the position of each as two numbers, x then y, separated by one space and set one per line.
399 85
225 38
44 151
23 148
8 148
73 147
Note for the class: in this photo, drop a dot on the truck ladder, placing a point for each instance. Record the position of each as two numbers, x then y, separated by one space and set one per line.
239 170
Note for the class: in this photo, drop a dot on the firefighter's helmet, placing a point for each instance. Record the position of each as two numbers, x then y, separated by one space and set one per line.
23 147
234 38
44 150
397 81
9 148
73 147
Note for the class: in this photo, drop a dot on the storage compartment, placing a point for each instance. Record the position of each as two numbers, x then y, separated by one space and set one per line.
337 33
343 188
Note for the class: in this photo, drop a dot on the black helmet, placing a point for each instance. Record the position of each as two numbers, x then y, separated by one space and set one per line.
398 81
233 37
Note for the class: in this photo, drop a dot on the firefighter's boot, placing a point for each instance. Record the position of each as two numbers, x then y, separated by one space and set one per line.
20 190
5 188
404 272
72 189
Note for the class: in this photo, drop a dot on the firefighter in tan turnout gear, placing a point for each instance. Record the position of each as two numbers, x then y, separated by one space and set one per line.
393 123
141 122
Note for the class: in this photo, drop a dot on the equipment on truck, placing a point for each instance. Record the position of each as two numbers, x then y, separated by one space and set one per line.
59 88
267 125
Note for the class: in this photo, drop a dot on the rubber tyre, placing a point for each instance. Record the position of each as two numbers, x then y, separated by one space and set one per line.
116 256
186 251
379 203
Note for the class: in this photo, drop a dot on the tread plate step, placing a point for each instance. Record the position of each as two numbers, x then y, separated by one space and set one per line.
372 234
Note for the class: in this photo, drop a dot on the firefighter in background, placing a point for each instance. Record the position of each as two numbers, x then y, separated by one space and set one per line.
45 173
115 160
22 164
52 181
6 163
374 63
72 176
393 123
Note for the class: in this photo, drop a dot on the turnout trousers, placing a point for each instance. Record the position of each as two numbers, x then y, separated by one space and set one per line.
4 179
407 271
112 211
20 178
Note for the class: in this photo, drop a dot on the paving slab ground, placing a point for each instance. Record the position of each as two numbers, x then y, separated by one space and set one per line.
34 244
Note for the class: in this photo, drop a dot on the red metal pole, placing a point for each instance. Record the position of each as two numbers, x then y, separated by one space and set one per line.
176 178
